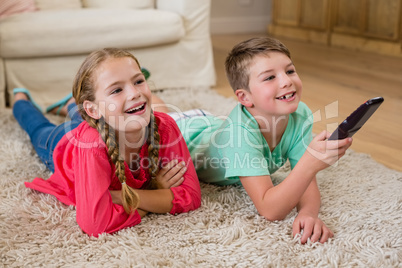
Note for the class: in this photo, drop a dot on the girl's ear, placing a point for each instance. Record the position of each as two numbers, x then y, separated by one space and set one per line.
243 96
92 109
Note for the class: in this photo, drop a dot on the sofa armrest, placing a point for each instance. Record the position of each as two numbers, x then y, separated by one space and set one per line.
194 12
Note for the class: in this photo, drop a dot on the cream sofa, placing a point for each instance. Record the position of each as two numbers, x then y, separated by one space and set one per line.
43 50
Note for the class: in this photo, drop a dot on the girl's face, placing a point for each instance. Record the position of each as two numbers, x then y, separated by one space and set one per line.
275 87
122 95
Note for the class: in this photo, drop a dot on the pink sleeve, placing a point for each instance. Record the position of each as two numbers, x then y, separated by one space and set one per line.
96 213
187 196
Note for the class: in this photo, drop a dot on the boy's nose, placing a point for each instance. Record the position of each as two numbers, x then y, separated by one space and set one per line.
285 81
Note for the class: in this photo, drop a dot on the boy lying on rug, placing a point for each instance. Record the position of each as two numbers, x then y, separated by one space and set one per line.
93 161
269 126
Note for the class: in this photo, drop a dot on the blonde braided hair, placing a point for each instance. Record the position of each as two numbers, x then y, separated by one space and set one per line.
153 150
83 89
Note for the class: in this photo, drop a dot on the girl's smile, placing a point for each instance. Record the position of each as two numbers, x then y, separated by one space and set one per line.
137 109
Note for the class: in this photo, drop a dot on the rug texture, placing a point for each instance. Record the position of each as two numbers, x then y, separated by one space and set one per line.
361 203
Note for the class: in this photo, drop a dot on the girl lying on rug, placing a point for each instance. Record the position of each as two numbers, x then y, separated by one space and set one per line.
124 153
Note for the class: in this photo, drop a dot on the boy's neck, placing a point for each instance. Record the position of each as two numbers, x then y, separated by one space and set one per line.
272 128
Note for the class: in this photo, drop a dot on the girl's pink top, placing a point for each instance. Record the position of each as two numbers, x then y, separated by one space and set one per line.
84 175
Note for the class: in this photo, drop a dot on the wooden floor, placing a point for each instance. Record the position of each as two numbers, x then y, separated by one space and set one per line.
335 82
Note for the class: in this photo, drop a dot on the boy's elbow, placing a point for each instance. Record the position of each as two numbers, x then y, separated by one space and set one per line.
272 215
270 218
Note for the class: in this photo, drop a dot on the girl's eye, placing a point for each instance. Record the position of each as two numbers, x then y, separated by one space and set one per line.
290 71
116 91
138 82
269 78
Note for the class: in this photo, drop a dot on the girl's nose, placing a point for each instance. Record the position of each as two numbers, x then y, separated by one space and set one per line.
134 92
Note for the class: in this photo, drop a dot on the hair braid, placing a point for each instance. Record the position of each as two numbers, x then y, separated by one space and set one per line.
130 197
153 140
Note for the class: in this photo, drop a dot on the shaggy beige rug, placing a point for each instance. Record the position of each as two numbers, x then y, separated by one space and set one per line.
361 202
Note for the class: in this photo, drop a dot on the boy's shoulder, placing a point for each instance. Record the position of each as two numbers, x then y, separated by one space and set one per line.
303 110
303 115
240 116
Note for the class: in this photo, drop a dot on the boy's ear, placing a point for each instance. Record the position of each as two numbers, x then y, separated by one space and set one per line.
92 109
243 96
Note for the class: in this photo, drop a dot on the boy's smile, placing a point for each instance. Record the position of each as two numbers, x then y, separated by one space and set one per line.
287 97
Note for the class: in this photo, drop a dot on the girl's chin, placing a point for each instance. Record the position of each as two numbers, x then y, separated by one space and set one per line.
131 125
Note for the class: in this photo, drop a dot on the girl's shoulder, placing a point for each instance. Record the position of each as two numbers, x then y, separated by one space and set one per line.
84 136
167 127
165 121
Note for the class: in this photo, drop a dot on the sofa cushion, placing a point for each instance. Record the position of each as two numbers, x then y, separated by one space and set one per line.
72 32
10 7
118 3
57 4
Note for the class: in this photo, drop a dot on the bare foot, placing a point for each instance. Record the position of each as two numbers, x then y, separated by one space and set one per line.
20 96
159 105
63 111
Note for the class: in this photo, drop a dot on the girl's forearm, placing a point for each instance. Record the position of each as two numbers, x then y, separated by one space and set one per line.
156 201
142 212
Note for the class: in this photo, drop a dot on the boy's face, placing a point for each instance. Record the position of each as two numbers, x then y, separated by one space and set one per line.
275 87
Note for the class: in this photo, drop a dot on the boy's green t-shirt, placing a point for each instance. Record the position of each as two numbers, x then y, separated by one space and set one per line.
224 149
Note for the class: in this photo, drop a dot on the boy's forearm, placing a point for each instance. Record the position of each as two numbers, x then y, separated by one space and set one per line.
310 202
289 193
294 187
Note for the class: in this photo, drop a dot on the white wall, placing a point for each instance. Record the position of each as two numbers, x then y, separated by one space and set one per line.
240 16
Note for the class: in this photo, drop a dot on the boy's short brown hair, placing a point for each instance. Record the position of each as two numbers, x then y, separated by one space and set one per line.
239 59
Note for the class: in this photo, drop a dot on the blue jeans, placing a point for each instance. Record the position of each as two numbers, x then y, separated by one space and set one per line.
44 135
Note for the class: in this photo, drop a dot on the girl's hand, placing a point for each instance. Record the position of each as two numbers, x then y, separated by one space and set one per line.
312 227
116 197
171 175
327 152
